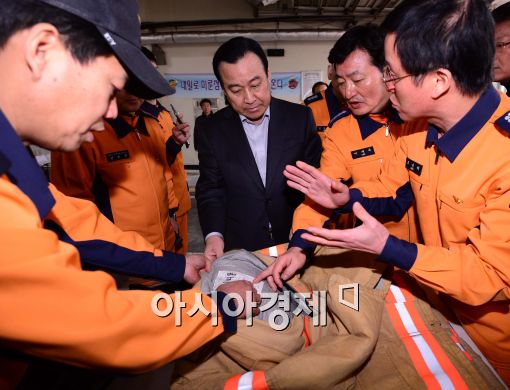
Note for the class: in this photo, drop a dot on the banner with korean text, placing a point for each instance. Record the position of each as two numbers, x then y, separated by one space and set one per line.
283 84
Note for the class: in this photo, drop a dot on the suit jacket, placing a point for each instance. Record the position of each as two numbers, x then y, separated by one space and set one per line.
231 197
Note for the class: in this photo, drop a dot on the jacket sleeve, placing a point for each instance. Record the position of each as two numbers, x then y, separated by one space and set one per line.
313 145
210 189
104 245
309 213
53 309
74 173
390 194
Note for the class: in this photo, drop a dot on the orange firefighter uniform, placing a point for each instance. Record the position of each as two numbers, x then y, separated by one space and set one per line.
51 308
125 172
461 185
325 107
356 148
162 120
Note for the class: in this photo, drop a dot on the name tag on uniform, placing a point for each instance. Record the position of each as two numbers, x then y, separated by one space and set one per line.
362 152
116 156
413 166
321 128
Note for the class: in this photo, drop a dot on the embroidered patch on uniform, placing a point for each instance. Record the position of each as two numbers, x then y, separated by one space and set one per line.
321 128
362 152
504 122
413 166
116 156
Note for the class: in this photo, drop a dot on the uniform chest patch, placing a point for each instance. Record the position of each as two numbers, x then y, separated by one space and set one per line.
116 156
414 167
369 151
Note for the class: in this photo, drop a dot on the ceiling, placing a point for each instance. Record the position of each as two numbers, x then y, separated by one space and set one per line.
290 14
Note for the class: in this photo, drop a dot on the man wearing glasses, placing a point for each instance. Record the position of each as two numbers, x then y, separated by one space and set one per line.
358 144
501 17
458 170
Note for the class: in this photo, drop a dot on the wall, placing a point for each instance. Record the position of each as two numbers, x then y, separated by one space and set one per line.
196 58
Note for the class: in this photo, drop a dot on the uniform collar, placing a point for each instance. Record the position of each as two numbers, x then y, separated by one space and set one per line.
370 123
332 102
152 110
23 170
455 139
123 128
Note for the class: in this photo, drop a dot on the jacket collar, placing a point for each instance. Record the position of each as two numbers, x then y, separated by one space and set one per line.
370 123
332 102
455 139
123 128
152 110
23 170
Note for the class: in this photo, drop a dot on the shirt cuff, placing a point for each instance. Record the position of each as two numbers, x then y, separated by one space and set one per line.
212 234
299 242
172 147
400 253
175 265
229 322
355 195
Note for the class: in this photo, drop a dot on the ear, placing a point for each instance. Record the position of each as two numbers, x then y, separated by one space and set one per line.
269 75
331 72
442 80
42 39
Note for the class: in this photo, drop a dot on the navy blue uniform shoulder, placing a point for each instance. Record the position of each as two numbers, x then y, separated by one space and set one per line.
5 163
504 122
340 115
313 98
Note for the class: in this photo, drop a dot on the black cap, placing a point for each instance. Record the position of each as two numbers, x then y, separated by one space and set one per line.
119 23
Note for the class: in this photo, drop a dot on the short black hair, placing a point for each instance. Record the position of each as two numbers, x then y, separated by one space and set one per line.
318 84
80 37
235 49
452 34
502 13
205 100
368 37
149 54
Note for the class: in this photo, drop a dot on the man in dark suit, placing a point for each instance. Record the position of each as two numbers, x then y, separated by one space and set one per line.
242 196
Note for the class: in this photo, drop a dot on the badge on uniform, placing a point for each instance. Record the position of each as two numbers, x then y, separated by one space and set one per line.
116 156
362 152
413 166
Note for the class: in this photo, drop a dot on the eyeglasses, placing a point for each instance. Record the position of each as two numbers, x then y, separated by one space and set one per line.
390 77
502 45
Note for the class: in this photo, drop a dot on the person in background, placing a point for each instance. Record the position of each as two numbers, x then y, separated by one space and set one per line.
175 136
201 120
63 63
326 104
501 17
125 173
318 87
243 200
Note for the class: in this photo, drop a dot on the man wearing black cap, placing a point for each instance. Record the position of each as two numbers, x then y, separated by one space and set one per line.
62 63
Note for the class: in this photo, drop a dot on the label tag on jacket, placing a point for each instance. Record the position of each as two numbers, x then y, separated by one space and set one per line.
116 156
362 152
413 166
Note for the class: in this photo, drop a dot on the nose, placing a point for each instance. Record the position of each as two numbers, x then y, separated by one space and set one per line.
112 110
249 96
349 90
